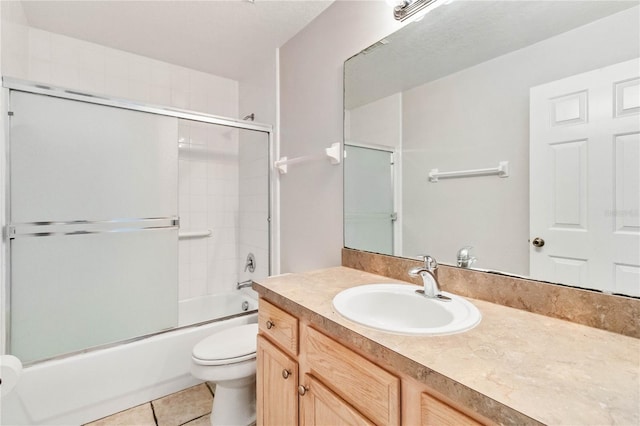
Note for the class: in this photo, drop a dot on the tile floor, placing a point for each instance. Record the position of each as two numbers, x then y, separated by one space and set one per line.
189 407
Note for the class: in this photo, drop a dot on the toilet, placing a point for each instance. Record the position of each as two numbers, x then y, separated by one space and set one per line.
228 359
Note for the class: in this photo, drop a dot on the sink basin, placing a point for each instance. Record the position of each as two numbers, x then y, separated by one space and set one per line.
397 308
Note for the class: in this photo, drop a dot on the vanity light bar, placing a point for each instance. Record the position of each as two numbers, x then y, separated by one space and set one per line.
411 7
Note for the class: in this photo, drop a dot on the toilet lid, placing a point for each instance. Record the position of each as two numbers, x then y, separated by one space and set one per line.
234 344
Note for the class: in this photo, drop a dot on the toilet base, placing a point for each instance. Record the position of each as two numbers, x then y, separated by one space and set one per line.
234 406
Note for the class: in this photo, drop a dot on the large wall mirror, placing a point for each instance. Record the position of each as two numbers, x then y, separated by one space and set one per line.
506 132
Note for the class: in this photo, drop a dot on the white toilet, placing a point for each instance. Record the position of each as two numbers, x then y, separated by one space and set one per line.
228 359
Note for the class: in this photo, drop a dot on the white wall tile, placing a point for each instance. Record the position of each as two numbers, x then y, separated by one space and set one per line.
139 69
116 64
198 204
116 86
64 75
91 80
39 44
160 73
139 91
199 188
14 65
15 39
198 286
198 101
90 58
179 98
39 70
159 95
179 78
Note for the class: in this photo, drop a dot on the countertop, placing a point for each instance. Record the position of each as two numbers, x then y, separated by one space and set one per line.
515 367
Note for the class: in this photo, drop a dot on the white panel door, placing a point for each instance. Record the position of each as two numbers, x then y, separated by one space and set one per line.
585 180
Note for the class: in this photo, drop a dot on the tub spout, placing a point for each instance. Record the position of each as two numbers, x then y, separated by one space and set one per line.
244 284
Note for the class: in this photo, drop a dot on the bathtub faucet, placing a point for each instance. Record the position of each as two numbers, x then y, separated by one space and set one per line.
244 284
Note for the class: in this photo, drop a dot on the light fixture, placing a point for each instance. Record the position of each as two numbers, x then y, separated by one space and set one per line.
404 9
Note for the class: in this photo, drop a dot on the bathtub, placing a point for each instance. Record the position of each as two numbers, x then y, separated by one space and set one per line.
88 386
222 305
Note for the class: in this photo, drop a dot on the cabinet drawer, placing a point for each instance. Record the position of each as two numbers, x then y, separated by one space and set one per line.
368 388
436 413
279 326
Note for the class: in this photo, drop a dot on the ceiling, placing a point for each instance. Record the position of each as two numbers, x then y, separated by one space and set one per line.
459 35
227 38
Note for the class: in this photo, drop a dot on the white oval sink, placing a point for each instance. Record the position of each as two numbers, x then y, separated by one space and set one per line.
397 308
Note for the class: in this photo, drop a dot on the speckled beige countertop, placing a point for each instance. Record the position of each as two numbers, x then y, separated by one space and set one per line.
515 367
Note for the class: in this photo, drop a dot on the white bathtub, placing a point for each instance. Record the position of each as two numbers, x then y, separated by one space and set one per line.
88 386
201 309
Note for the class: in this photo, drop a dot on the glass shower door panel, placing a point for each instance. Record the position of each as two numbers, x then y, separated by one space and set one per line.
368 200
73 292
73 160
93 231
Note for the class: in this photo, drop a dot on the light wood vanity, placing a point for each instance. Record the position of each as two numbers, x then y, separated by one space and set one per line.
306 375
317 368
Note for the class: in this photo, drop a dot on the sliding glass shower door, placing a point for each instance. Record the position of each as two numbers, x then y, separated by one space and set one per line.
92 225
369 213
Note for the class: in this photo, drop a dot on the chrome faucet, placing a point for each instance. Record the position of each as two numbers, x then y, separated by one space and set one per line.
465 260
429 278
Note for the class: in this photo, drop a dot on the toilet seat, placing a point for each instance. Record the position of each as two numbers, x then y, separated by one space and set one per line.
230 346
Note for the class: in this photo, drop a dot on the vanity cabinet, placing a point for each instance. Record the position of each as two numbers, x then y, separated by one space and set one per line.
276 385
435 412
307 378
369 389
277 367
320 406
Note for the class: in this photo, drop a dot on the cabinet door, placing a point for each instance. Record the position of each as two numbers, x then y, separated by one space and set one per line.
436 413
276 381
321 407
372 390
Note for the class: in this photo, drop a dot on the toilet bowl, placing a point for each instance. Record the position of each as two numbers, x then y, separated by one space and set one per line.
228 359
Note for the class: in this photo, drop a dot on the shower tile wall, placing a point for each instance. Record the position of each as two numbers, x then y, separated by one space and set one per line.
208 188
45 57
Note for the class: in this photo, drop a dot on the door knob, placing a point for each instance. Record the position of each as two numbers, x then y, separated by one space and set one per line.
302 390
270 324
537 242
285 374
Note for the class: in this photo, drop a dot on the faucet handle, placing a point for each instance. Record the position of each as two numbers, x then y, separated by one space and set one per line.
465 252
429 262
465 259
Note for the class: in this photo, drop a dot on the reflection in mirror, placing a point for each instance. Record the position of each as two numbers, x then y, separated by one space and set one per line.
552 89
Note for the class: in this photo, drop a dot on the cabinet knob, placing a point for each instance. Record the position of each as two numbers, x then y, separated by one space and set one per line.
302 390
270 324
286 373
537 242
